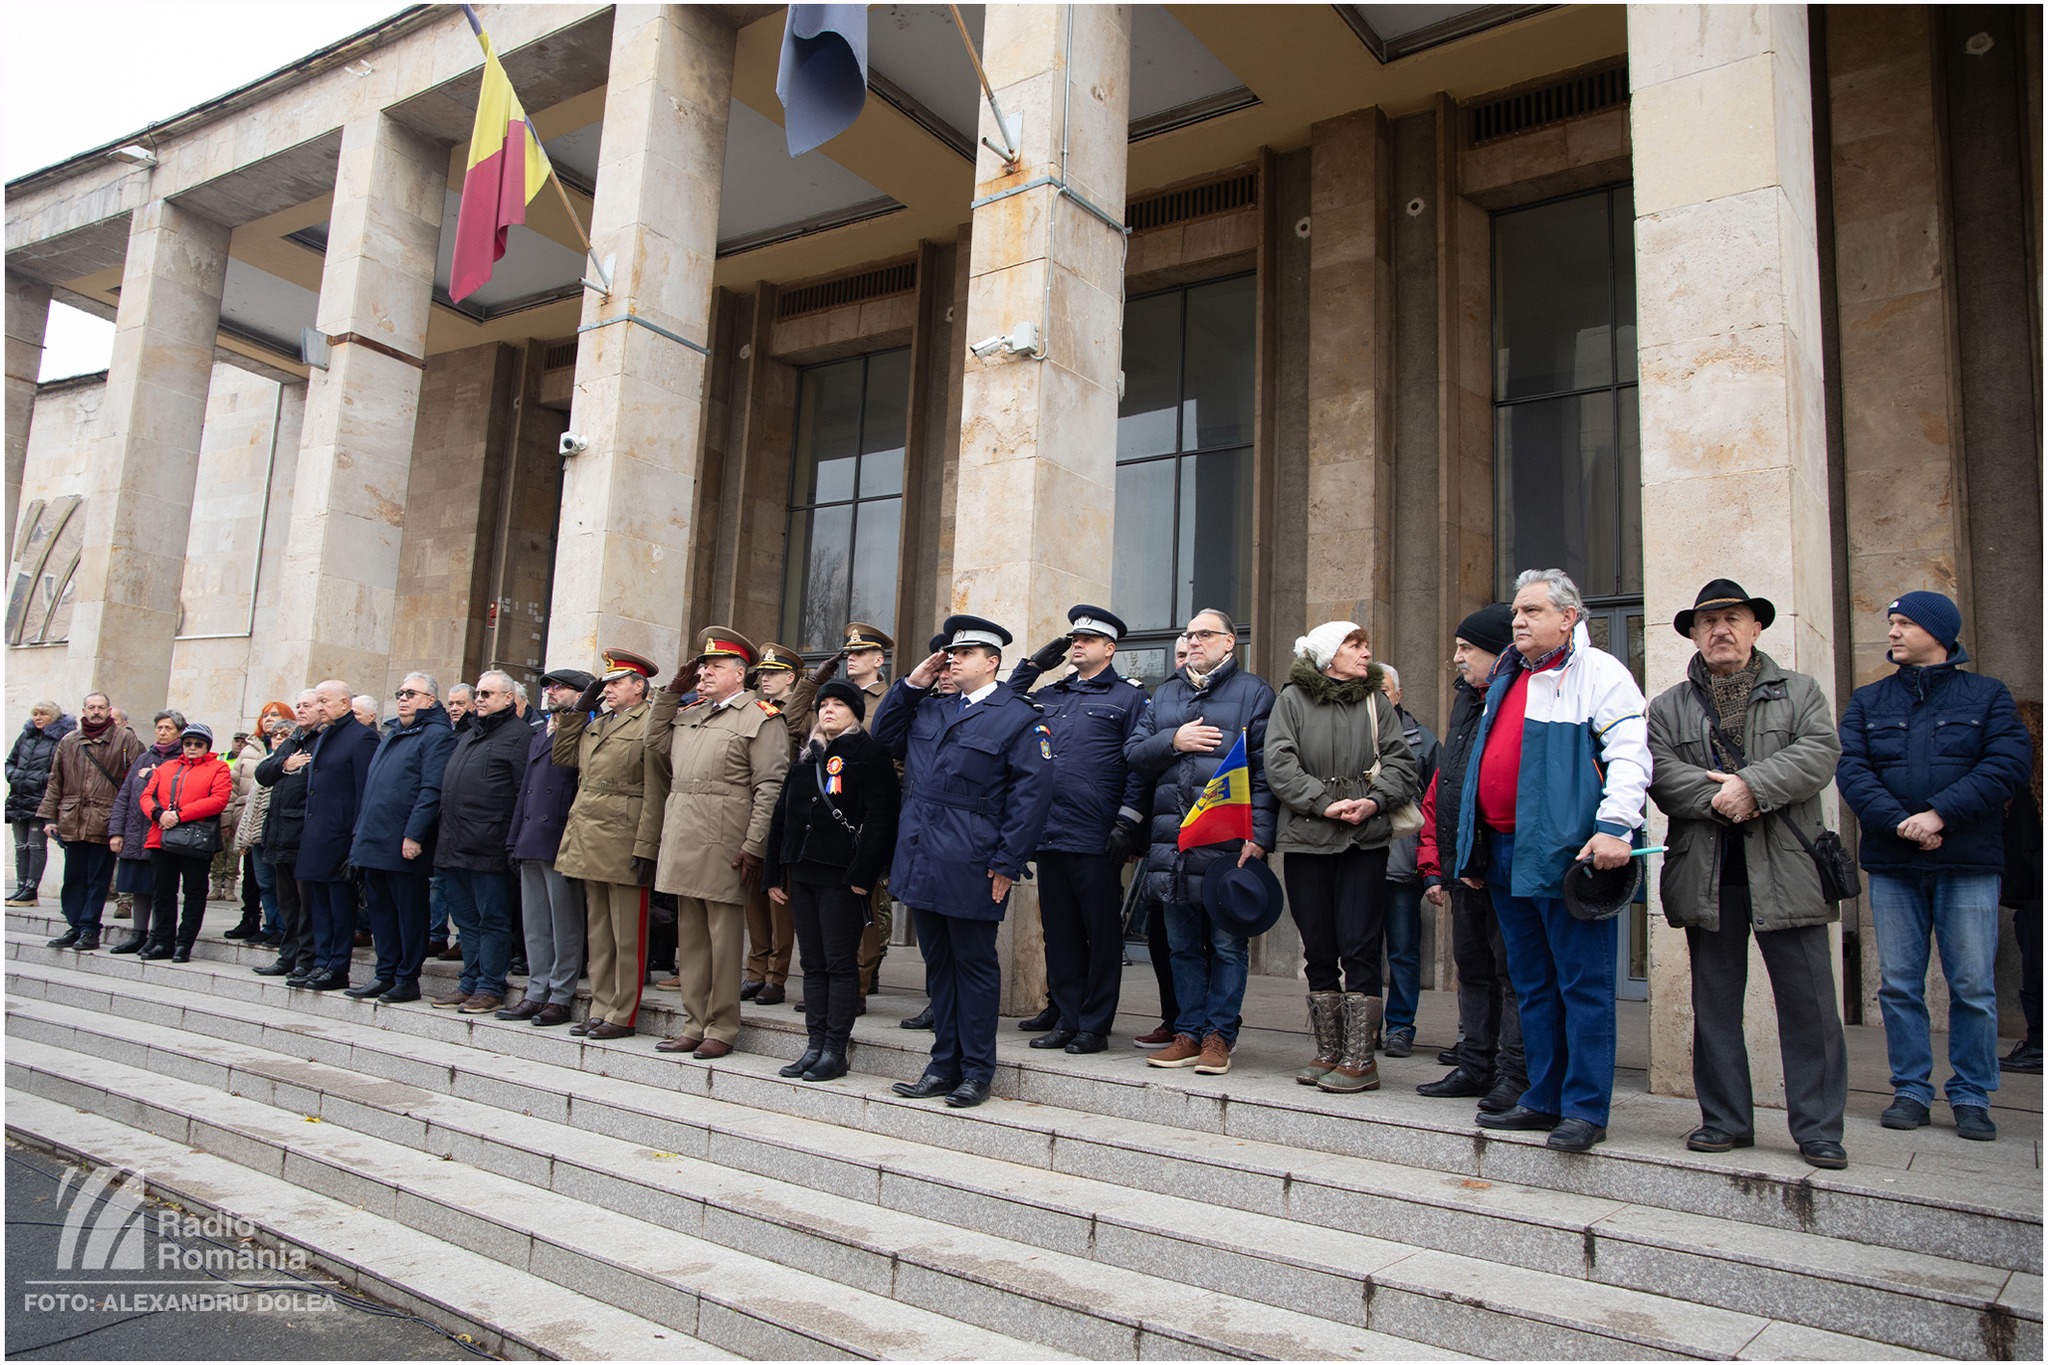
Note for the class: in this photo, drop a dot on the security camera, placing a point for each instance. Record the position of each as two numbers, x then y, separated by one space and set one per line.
572 444
982 350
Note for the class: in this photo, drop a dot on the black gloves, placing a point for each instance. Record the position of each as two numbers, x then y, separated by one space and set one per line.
1050 655
643 871
591 697
749 866
1119 845
685 678
824 672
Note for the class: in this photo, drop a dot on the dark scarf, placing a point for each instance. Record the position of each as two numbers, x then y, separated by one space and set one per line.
163 750
92 731
1729 697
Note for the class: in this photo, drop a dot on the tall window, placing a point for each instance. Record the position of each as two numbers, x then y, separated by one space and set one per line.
846 499
1184 464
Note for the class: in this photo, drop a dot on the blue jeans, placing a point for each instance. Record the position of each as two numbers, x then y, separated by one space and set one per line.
1962 911
437 910
1209 985
1404 952
88 872
266 888
1563 970
480 905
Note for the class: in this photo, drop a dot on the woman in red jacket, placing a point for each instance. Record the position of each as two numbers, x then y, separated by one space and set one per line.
191 789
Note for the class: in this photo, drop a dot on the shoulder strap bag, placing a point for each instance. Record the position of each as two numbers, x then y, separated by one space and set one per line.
1832 862
1403 820
196 839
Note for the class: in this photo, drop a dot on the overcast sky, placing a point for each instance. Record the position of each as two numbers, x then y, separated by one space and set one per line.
75 76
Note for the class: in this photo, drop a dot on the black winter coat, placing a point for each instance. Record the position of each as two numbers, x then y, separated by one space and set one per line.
334 795
284 823
1453 758
1233 700
804 838
28 767
545 794
479 789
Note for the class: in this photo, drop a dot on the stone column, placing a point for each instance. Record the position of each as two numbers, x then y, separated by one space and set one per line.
338 596
138 513
28 312
622 561
1734 448
1035 512
1351 374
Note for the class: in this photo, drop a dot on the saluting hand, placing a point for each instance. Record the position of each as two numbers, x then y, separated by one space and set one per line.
828 670
927 673
685 678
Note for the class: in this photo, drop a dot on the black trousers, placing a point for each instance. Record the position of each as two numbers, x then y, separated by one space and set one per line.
1161 953
2026 932
828 919
1080 903
173 871
1488 1012
1339 904
397 904
1809 1028
295 918
965 982
88 871
252 894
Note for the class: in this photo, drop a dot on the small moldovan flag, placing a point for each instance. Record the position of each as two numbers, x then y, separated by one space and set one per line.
1224 809
506 169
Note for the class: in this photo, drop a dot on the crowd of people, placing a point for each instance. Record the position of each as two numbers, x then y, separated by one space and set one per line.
753 811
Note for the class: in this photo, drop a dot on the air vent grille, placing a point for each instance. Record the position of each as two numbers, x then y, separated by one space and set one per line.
560 355
859 288
1194 201
1589 92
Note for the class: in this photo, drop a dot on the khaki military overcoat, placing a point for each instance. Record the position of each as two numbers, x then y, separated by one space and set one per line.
713 773
603 835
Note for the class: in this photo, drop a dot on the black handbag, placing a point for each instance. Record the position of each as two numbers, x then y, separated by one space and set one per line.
1839 878
194 839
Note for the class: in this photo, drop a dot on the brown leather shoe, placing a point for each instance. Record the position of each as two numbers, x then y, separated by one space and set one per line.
482 1004
452 953
678 1044
582 1028
1215 1058
454 1001
525 1009
669 983
711 1049
605 1028
551 1015
1182 1051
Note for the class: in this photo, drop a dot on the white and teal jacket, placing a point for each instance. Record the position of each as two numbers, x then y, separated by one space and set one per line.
1585 763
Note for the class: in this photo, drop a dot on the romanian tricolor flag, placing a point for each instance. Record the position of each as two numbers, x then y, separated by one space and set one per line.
1224 809
507 168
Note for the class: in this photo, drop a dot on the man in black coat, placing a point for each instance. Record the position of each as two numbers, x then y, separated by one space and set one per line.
1489 1054
396 832
338 766
283 771
479 788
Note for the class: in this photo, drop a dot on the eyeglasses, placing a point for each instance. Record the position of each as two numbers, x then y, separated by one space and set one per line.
1205 635
402 693
483 692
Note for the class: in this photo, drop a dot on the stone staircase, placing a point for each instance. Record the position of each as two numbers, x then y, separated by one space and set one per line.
558 1197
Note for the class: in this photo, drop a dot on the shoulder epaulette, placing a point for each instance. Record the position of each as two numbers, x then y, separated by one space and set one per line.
768 707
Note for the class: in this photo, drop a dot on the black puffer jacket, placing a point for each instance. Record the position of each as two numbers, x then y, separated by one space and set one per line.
806 842
285 821
479 788
1452 760
28 767
1232 700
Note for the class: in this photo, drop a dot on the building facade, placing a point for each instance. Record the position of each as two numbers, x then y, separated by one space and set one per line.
1303 312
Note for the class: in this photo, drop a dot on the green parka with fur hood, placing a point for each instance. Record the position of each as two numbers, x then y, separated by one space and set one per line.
1319 748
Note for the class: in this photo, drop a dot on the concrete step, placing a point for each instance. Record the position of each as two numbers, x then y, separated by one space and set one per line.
510 1313
738 1302
1896 1193
1282 1258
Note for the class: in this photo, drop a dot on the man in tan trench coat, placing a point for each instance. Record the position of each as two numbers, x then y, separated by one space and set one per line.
715 768
603 844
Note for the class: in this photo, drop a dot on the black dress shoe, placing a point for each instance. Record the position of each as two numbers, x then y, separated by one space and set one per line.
2025 1058
181 954
297 980
1827 1156
922 1019
1085 1042
155 952
327 981
803 1063
272 969
751 989
131 944
87 943
525 1009
63 940
1707 1138
967 1094
830 1067
401 995
1460 1084
1519 1120
1504 1096
1059 1037
925 1087
368 989
771 994
1448 1057
1046 1018
1575 1135
550 1015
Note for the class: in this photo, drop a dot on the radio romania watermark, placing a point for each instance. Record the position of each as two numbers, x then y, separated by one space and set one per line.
102 1243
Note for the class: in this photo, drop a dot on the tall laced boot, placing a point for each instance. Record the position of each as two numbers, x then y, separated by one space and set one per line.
1357 1070
1326 1019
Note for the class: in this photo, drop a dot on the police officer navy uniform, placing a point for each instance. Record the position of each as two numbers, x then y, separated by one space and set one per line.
1096 813
979 766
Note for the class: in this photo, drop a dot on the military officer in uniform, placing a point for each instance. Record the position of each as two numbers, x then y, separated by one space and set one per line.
715 767
865 653
781 679
979 768
1096 814
607 843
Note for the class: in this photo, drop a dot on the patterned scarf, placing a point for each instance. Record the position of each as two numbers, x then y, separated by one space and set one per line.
1729 697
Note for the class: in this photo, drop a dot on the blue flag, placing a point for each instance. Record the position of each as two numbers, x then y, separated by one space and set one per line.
823 79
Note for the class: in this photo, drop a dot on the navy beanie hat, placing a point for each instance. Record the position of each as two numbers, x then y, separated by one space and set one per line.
1491 628
1936 613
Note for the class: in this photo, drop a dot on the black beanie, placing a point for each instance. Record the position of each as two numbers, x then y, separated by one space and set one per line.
1491 628
856 701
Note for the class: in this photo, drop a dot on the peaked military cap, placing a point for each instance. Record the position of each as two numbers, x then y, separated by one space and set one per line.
623 663
1087 620
861 635
780 656
723 642
961 631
